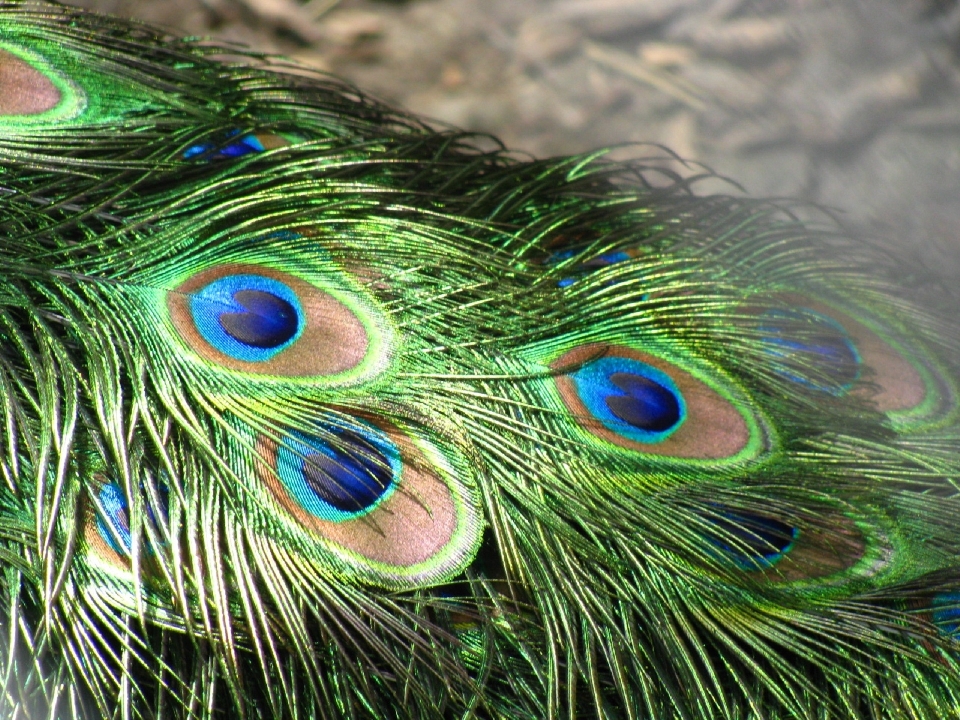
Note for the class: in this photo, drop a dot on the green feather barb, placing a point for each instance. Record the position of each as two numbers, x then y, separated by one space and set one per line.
309 410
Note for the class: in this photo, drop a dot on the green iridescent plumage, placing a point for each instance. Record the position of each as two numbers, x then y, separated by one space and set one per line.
312 411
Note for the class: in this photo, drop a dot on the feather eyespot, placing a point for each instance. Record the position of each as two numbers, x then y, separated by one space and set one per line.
946 613
748 540
811 349
259 320
108 532
588 266
779 550
631 398
373 499
248 317
113 526
899 383
250 144
339 478
643 402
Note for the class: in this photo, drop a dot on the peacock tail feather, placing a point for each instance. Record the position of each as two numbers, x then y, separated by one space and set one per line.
310 410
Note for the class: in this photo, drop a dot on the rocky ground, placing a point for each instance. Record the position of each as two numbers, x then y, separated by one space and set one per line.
852 104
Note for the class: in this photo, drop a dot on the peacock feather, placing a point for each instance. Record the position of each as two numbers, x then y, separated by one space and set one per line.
310 410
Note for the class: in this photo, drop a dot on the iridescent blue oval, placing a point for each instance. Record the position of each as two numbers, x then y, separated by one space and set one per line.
748 540
248 317
339 474
631 398
811 349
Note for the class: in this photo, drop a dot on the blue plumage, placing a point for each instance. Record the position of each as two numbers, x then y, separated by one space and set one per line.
341 477
248 317
631 398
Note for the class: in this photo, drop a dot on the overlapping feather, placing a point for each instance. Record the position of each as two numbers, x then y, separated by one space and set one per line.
312 411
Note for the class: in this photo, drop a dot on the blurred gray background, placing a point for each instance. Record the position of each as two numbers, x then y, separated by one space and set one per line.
852 104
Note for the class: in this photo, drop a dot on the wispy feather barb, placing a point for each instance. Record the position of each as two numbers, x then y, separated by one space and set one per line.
309 410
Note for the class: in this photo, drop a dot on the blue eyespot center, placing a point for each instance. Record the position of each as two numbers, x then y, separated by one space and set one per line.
269 321
209 150
587 266
815 350
646 405
631 398
248 317
946 613
342 475
750 541
114 525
